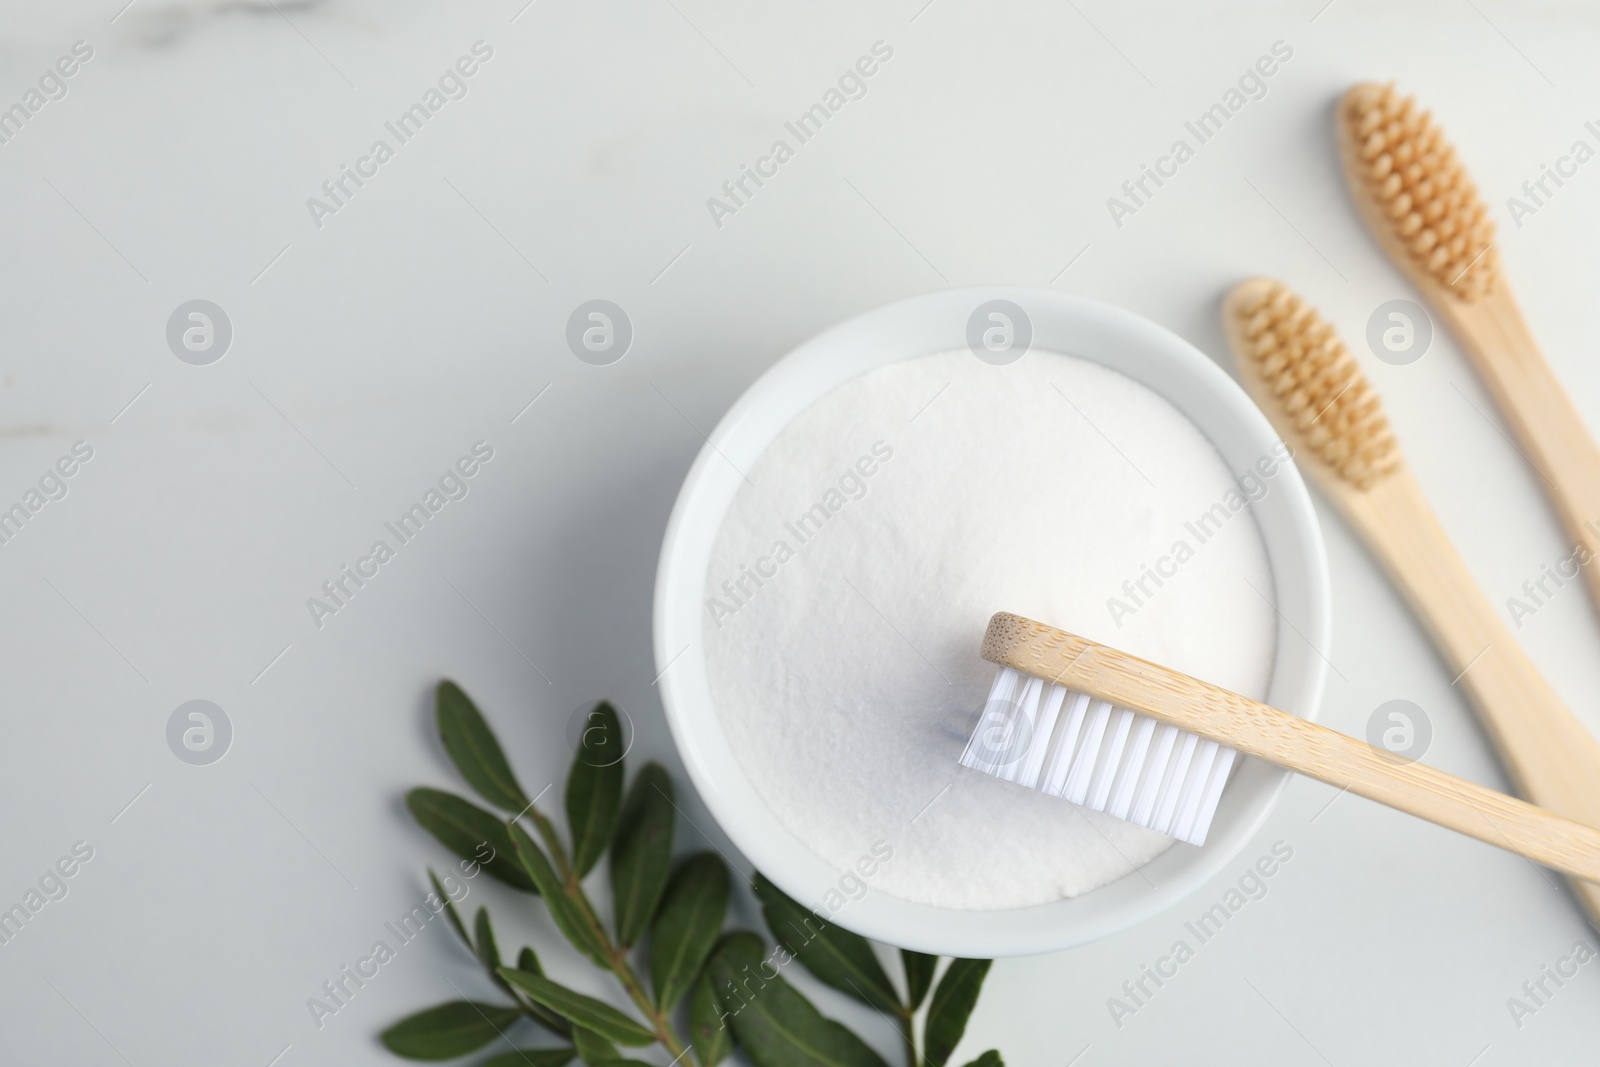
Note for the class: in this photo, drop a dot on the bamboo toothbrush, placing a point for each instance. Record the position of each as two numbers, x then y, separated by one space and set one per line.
1425 212
1311 389
1056 693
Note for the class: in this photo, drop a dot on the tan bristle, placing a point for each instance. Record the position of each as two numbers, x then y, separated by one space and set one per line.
1430 202
1317 384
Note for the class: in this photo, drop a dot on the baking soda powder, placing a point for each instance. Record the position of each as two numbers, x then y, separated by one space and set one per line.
853 577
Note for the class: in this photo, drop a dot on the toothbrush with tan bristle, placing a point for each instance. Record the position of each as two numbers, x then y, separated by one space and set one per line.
1425 212
1312 391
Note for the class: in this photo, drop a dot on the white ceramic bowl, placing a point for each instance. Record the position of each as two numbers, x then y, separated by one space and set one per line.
937 322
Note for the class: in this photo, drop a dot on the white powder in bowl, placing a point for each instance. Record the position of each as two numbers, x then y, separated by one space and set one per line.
852 579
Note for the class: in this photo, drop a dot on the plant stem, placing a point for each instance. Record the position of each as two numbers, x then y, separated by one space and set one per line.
616 955
908 1031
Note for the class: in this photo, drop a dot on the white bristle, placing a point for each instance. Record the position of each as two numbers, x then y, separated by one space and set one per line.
1154 774
1176 775
1045 725
1055 776
1194 786
1123 793
1111 759
1094 732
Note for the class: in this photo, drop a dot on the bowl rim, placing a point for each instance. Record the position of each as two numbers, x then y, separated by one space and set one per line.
1290 531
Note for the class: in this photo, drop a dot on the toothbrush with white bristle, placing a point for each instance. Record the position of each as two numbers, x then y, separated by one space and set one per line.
1092 753
1147 744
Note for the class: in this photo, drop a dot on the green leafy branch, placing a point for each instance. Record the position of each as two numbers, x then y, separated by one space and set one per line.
727 986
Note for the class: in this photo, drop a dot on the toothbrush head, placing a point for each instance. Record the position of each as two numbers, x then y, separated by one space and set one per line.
1308 385
1066 743
1414 193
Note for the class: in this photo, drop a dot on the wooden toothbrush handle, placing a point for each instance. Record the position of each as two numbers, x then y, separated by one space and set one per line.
1551 431
1298 744
1551 757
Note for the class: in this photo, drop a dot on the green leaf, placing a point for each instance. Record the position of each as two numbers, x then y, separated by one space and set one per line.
596 1051
641 857
774 1024
837 957
450 910
473 749
919 975
952 1003
594 787
527 961
582 1011
568 918
592 1048
531 1057
470 832
687 926
988 1059
712 1040
488 951
448 1030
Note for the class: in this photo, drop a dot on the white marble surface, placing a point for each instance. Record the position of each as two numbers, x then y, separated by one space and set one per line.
369 353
